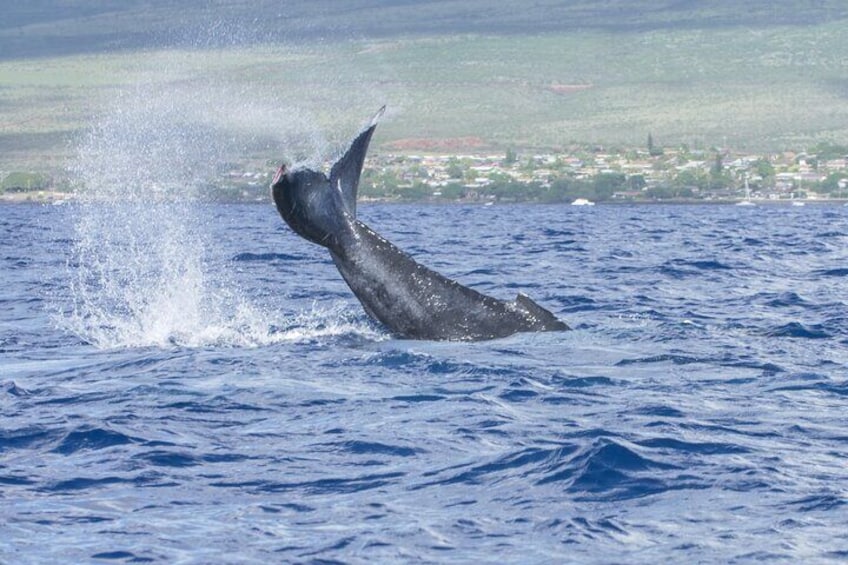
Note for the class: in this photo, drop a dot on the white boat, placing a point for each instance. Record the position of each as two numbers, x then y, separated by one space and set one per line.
747 201
582 202
797 203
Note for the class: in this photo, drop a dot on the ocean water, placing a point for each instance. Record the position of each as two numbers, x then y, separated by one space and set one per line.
185 382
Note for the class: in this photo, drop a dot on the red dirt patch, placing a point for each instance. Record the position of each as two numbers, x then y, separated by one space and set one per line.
557 88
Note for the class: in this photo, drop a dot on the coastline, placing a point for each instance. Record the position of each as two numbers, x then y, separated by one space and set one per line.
35 197
60 198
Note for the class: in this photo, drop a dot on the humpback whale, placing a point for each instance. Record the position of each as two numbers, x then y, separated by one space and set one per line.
411 300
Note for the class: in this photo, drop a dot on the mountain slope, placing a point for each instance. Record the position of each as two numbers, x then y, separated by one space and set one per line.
61 27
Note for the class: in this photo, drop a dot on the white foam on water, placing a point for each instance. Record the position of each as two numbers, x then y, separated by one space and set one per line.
144 269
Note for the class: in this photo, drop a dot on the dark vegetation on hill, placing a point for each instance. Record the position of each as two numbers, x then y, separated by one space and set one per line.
62 27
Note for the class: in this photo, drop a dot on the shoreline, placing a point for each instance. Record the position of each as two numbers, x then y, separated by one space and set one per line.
42 197
35 197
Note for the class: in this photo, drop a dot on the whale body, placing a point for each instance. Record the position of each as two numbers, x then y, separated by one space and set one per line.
411 300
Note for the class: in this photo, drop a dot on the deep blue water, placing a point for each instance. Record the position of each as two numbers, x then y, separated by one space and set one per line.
194 383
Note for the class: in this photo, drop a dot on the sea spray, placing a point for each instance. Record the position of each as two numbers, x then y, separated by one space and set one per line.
139 272
144 270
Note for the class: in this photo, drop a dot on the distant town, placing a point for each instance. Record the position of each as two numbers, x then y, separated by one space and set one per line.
590 174
598 174
585 174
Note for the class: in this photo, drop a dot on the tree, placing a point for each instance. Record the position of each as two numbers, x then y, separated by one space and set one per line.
453 191
566 190
418 191
510 158
763 167
690 178
718 177
636 182
831 183
827 151
653 150
718 165
379 184
661 192
606 184
455 169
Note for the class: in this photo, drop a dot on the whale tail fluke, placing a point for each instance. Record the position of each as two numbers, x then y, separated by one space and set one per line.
344 176
409 299
377 117
544 317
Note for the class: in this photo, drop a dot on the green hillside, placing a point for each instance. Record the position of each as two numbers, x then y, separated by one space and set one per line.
455 77
54 27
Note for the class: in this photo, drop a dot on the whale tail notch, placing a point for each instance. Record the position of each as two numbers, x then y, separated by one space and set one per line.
344 175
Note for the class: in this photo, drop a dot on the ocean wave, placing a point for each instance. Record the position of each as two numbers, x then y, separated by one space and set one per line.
356 447
838 272
609 470
332 486
12 388
799 330
91 439
782 300
124 556
268 257
683 415
676 359
816 384
605 469
27 438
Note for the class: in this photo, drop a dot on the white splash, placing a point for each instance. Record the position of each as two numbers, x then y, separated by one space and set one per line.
143 270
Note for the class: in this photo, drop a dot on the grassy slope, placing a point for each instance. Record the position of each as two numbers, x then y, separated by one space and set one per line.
765 89
759 87
50 27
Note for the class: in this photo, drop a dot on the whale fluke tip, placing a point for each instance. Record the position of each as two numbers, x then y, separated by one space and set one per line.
377 116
